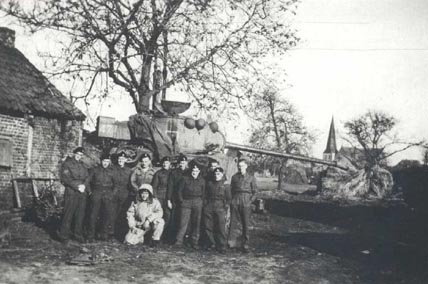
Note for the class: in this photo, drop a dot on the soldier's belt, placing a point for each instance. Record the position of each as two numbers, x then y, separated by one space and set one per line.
216 199
242 191
192 197
95 188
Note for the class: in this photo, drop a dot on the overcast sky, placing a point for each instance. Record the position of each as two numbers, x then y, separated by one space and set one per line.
354 55
361 54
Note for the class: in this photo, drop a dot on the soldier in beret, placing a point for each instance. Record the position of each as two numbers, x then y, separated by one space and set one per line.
191 190
212 165
172 195
121 202
243 188
74 176
102 185
217 198
142 174
160 190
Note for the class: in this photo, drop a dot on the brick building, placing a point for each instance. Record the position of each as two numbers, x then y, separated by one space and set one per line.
38 125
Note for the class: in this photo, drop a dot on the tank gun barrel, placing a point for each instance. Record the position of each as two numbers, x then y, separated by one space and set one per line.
229 145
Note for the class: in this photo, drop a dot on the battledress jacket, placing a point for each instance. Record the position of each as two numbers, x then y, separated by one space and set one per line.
73 174
102 179
217 191
190 188
160 183
174 179
122 177
139 177
243 184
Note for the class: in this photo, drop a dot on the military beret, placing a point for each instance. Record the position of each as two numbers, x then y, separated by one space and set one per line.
145 155
195 166
121 154
105 156
79 150
182 158
218 170
166 159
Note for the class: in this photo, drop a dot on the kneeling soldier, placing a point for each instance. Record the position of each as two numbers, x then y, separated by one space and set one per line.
217 198
144 215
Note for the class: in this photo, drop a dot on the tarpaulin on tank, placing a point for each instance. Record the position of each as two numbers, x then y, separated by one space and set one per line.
145 132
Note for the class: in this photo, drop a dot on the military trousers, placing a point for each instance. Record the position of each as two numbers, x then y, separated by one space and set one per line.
174 221
74 211
190 212
120 204
215 223
240 209
168 233
101 208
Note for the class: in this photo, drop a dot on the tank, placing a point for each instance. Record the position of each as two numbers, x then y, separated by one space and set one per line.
167 133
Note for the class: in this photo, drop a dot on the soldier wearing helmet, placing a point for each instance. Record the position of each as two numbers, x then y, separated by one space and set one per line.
144 215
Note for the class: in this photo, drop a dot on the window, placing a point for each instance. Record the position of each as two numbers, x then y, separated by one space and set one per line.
6 152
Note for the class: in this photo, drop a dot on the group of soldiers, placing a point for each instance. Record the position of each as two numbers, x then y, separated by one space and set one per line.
168 205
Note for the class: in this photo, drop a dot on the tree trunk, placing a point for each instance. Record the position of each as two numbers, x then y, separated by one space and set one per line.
281 173
275 126
143 104
144 92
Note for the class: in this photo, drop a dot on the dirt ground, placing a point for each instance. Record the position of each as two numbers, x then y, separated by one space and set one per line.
301 240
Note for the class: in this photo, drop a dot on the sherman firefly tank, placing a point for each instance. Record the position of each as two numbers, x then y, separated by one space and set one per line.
166 133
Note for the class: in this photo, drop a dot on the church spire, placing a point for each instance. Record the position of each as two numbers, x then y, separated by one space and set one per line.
331 149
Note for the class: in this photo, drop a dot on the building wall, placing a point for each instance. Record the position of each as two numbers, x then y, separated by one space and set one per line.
52 140
16 129
329 156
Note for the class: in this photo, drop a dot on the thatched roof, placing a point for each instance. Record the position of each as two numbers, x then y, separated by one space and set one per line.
24 89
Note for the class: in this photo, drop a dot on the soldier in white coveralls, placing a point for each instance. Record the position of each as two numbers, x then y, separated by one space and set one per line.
144 215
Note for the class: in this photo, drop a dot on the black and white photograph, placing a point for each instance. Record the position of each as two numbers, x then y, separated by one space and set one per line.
214 141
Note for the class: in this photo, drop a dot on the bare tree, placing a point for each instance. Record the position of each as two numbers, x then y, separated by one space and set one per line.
207 48
373 132
278 126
